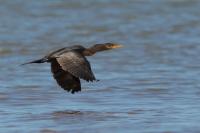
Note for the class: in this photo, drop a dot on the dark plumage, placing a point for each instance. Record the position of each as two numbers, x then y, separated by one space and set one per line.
69 64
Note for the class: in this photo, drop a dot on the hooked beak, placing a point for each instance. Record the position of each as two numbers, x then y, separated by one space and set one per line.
117 46
113 46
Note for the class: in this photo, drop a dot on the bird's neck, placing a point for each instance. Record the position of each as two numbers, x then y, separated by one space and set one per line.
94 49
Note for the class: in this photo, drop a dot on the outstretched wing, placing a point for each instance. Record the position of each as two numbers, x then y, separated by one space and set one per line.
66 80
77 65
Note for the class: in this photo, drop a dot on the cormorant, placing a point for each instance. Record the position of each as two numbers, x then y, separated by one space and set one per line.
69 64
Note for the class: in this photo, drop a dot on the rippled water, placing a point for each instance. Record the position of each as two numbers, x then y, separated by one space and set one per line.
150 86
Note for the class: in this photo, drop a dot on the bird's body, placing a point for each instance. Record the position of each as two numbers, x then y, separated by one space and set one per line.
69 64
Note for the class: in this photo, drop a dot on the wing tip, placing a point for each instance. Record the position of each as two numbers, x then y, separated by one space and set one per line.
74 91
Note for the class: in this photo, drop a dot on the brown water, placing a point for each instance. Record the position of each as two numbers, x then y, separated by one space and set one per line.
150 86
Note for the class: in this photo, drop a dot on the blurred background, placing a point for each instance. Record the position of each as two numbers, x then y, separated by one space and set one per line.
151 85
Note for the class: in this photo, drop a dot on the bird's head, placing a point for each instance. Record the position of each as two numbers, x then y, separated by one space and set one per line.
106 46
112 45
101 47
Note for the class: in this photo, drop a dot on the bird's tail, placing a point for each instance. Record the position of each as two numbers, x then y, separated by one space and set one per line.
36 61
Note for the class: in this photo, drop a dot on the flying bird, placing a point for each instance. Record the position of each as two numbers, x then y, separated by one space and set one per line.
69 64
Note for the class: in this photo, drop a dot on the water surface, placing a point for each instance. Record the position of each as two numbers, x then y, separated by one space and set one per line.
149 86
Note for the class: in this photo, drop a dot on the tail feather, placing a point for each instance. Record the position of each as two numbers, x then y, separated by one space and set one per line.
36 61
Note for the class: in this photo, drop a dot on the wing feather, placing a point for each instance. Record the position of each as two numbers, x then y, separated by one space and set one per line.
66 80
77 65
